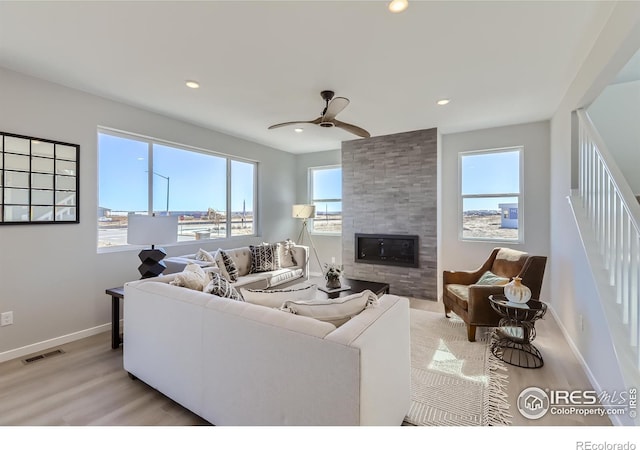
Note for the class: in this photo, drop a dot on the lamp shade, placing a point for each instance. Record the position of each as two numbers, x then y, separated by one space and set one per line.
152 230
303 211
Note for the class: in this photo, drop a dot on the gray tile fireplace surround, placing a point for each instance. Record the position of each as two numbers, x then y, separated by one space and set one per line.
389 186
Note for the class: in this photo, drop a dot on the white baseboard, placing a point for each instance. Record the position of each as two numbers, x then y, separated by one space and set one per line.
39 346
615 420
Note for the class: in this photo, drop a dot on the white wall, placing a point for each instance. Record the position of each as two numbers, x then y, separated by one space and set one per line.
465 255
51 276
572 286
328 246
615 113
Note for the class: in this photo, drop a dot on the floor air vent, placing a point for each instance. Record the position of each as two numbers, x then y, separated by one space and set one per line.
49 354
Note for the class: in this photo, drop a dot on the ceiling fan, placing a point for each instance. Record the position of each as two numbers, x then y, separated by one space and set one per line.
328 118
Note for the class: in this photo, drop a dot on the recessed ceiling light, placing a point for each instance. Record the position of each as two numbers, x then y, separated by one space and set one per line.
443 101
192 84
298 130
397 6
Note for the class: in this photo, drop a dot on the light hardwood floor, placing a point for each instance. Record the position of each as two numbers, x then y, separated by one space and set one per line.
88 386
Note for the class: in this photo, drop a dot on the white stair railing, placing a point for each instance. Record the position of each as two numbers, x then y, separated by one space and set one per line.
613 213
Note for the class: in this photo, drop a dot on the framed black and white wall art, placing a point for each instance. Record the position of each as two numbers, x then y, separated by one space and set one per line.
39 180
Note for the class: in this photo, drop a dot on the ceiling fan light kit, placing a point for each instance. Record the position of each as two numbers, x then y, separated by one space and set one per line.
333 106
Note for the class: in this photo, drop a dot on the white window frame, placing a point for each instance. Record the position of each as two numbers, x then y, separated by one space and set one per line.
313 200
519 196
151 141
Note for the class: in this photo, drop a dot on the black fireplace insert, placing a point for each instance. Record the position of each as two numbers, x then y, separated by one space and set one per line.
387 249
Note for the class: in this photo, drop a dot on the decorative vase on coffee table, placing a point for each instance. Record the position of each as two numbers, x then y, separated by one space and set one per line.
516 292
333 283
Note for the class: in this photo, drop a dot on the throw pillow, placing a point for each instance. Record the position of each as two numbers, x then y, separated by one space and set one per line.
276 297
222 288
490 278
286 254
203 255
264 258
230 270
192 277
336 311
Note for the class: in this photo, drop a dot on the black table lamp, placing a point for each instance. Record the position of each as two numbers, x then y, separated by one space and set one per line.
152 230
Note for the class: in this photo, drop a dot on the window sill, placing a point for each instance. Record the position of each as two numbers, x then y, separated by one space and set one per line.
319 233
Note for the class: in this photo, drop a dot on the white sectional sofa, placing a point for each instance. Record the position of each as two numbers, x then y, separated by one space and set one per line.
237 363
241 256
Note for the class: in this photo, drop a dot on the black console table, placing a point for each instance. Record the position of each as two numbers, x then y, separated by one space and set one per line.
116 294
512 339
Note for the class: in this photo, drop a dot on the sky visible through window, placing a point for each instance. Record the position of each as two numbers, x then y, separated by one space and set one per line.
490 173
126 161
327 184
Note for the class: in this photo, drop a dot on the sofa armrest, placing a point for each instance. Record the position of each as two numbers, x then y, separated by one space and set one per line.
301 256
382 335
465 277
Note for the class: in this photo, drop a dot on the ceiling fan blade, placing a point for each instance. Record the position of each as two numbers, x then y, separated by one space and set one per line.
297 122
335 106
352 128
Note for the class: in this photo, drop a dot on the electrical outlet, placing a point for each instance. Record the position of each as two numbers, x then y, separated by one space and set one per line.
333 260
6 318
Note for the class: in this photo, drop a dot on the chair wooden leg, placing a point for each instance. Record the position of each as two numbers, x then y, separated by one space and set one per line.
471 333
447 310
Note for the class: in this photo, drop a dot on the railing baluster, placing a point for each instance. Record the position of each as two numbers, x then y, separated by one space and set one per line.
614 240
624 272
619 252
607 235
633 282
581 139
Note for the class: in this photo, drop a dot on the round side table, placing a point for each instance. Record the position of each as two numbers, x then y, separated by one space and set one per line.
512 339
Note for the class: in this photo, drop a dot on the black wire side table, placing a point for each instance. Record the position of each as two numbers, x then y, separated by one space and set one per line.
512 339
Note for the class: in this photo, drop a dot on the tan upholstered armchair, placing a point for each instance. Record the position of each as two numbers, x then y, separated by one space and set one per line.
470 301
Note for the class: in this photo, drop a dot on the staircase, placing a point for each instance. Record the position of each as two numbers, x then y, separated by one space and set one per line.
607 215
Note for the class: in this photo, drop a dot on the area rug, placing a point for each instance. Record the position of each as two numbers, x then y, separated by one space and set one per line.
454 382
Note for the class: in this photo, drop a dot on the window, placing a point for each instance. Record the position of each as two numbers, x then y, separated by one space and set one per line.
490 195
325 191
212 195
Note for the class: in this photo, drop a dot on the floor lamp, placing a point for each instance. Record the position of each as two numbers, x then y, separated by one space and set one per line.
306 212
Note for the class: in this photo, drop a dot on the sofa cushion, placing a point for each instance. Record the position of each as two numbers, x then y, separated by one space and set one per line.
253 281
230 270
192 277
264 258
336 311
277 277
490 278
222 288
460 294
274 298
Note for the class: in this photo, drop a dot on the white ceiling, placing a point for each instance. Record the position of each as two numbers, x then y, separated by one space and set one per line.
265 62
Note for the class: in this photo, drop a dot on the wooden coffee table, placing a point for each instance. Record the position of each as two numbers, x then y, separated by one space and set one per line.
355 286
